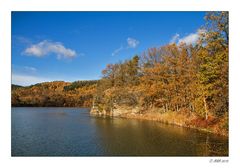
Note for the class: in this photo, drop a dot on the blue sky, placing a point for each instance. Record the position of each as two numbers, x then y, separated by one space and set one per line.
70 46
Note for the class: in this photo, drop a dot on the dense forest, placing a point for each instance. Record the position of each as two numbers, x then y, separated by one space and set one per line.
187 80
55 94
180 83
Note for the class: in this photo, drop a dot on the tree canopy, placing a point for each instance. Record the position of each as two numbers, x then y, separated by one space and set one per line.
175 77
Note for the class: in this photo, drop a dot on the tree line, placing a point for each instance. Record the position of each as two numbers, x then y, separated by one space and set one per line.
192 79
184 78
55 94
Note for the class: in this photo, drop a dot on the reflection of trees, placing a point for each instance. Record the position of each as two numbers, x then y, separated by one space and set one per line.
212 147
136 137
121 137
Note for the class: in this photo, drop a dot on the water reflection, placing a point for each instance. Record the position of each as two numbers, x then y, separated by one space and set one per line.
72 132
134 137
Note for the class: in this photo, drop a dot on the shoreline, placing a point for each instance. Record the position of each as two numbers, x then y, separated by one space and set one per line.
173 122
213 125
170 118
50 107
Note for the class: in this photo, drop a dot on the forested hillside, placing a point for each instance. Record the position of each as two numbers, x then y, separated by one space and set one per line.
190 81
55 94
178 83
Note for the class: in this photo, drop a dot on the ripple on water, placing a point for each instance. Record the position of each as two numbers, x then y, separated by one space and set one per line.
72 132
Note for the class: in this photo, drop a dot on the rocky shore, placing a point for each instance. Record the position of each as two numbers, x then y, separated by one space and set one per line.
211 125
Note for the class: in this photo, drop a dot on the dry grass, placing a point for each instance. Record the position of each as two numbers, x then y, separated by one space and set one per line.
213 125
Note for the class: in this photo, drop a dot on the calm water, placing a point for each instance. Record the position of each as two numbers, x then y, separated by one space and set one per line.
72 132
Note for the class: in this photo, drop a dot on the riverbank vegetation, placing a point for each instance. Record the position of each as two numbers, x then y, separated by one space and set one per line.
184 82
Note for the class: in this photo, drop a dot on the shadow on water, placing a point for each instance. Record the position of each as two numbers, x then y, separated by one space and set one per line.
72 132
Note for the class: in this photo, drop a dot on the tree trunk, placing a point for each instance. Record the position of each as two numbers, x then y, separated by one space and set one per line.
190 107
205 108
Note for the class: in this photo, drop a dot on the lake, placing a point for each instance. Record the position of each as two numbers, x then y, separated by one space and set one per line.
73 132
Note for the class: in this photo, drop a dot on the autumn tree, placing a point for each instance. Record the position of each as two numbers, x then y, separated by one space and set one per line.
213 68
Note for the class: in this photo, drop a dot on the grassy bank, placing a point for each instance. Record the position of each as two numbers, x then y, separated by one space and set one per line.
212 125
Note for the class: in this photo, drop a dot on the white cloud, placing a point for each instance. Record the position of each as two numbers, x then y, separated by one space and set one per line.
132 43
26 80
191 38
45 47
115 52
175 38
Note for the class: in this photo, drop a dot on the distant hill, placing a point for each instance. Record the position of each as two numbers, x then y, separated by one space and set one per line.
16 87
55 94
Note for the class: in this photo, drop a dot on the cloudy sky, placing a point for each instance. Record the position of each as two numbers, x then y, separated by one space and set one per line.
70 46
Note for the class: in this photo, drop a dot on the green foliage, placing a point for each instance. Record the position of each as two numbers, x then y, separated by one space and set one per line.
14 87
79 84
213 64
